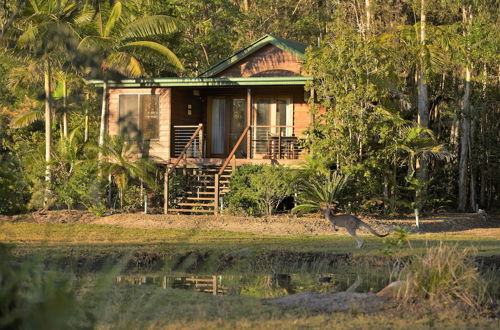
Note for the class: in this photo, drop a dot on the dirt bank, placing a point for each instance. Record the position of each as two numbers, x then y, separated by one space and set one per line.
275 225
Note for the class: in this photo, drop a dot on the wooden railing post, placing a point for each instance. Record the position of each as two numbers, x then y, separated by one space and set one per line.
232 153
216 194
249 123
165 191
200 142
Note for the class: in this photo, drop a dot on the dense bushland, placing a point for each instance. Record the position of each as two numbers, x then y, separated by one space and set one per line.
405 94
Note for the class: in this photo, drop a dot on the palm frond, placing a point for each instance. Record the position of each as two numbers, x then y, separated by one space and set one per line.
166 53
28 36
114 16
94 42
150 26
26 118
125 64
321 191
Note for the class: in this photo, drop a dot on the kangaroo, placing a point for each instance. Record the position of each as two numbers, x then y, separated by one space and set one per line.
350 223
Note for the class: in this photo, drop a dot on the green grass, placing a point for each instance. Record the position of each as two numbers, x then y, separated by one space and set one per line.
102 237
84 247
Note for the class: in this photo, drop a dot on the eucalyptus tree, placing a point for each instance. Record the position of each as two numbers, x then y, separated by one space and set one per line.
122 39
476 48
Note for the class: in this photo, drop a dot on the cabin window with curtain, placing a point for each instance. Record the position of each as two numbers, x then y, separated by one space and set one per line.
139 116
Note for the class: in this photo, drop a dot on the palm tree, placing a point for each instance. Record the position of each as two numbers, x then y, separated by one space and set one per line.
46 32
123 42
320 192
120 162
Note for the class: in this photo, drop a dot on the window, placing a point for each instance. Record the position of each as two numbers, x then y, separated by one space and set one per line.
139 116
274 114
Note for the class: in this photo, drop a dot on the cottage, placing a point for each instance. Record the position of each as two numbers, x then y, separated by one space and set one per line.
249 108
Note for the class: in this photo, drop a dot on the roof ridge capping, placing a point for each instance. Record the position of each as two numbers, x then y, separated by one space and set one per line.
294 47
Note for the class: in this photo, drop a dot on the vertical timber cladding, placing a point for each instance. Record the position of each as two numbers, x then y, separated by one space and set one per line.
269 61
158 149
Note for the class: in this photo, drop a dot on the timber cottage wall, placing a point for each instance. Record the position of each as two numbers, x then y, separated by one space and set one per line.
269 61
158 148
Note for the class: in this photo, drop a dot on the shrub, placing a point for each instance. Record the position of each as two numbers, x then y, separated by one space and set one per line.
78 186
445 275
259 189
13 195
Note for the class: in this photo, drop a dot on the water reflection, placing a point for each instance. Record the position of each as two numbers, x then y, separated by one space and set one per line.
209 284
259 285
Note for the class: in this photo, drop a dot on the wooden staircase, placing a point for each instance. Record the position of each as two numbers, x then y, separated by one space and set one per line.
206 184
200 195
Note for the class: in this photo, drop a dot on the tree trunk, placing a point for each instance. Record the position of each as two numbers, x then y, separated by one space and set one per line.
423 98
472 195
463 165
48 134
65 115
102 128
368 10
464 145
86 128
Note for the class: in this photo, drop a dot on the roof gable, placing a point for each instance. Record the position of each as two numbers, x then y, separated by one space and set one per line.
292 47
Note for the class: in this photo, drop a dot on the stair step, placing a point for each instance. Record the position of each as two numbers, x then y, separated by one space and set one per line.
201 198
199 193
190 211
196 204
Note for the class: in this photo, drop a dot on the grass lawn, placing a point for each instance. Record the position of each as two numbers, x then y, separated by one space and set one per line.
100 237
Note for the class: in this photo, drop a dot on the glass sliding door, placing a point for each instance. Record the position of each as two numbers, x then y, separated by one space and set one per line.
238 123
262 120
273 118
218 126
284 117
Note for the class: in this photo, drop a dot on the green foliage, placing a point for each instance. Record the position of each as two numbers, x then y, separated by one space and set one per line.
13 194
75 179
98 210
398 239
121 163
31 297
446 275
321 192
259 189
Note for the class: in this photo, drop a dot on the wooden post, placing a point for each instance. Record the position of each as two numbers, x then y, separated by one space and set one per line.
200 142
165 192
214 285
216 194
249 122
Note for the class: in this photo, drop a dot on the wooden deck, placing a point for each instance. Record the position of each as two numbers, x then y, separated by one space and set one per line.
197 162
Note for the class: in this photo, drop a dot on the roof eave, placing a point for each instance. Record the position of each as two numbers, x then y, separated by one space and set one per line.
250 49
203 82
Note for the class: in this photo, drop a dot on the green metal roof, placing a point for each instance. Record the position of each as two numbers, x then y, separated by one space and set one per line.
293 47
204 82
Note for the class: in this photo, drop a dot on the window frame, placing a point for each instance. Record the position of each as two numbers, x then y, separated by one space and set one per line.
139 117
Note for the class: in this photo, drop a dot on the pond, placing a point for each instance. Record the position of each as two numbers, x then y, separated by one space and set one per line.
264 285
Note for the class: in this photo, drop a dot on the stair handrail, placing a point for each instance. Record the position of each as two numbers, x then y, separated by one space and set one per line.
236 146
186 147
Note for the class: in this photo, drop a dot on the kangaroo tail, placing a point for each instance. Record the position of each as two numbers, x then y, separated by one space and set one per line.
364 224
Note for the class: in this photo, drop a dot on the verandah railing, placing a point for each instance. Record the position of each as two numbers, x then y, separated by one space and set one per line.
275 142
182 135
197 135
